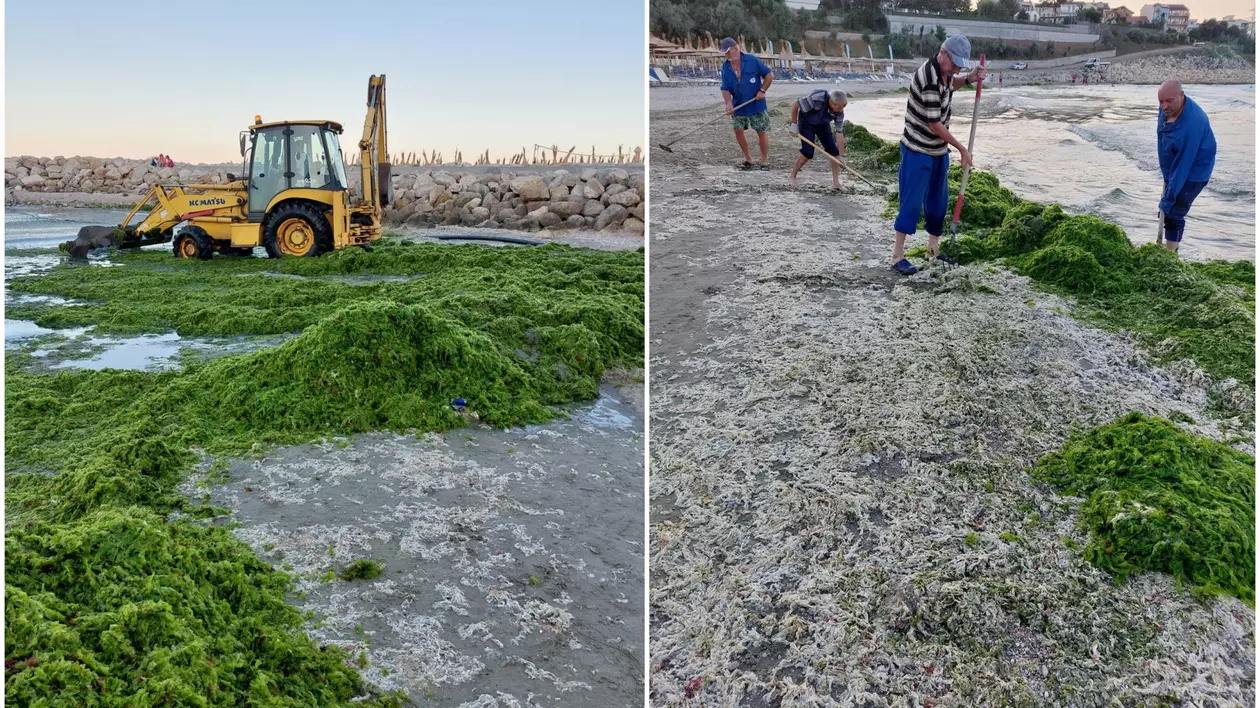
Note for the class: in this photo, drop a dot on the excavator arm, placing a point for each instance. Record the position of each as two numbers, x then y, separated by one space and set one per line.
374 149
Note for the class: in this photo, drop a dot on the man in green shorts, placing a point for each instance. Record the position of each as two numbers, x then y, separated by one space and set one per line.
745 78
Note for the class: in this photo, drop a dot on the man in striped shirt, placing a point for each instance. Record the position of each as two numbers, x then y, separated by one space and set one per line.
923 180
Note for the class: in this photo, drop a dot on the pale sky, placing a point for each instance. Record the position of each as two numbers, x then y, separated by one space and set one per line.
1214 9
136 78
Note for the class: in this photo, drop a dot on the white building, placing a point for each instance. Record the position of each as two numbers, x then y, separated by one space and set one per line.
1247 25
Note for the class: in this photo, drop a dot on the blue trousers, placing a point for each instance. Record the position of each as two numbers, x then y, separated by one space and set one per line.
823 134
1175 218
923 187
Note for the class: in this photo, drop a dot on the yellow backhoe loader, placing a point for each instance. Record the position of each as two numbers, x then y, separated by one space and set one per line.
293 199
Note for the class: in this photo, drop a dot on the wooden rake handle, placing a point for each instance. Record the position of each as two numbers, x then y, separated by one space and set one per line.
836 160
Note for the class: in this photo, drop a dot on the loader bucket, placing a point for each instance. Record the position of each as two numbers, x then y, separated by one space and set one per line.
91 237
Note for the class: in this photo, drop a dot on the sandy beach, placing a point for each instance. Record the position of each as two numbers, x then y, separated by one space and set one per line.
840 507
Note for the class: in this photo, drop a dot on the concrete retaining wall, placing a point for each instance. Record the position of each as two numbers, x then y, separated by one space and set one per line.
1069 34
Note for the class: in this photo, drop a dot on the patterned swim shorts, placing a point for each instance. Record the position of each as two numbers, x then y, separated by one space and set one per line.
759 122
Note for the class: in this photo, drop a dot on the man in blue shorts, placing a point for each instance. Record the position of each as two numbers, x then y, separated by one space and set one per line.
745 78
812 119
1187 154
923 180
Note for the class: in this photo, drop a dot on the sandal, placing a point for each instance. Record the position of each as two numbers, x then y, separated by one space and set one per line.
905 267
746 166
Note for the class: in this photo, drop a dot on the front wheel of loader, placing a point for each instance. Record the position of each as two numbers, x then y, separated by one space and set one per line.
193 242
297 229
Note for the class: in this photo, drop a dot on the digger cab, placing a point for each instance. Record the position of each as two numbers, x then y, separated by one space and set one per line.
296 191
290 155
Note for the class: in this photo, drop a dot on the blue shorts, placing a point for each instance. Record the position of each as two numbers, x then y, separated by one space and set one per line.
821 134
923 187
1175 218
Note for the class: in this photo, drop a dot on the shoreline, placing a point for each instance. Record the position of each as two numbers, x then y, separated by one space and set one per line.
685 96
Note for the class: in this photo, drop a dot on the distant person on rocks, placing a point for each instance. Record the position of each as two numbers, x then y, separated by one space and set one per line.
812 119
153 162
1187 154
923 179
744 78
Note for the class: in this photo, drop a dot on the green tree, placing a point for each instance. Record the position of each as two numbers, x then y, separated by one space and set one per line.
730 19
671 20
940 33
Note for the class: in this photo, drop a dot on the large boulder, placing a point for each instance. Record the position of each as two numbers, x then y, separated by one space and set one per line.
626 199
531 188
592 208
565 209
612 215
593 189
632 225
439 195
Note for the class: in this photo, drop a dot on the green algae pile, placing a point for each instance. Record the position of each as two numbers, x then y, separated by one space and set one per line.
114 601
1159 499
1203 312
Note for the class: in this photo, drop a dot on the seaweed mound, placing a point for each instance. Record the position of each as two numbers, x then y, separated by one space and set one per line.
1204 312
382 365
1157 498
122 608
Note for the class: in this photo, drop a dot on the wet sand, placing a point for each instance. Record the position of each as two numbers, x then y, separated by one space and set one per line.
513 571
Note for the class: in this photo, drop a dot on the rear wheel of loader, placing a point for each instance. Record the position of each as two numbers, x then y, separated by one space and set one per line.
193 242
297 230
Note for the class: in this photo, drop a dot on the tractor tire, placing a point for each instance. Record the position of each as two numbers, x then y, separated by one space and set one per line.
297 229
194 242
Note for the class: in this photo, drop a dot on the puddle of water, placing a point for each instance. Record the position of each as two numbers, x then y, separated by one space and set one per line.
145 352
22 329
26 299
604 414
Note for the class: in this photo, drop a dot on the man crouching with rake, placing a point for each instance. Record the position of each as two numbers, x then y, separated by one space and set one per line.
812 120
